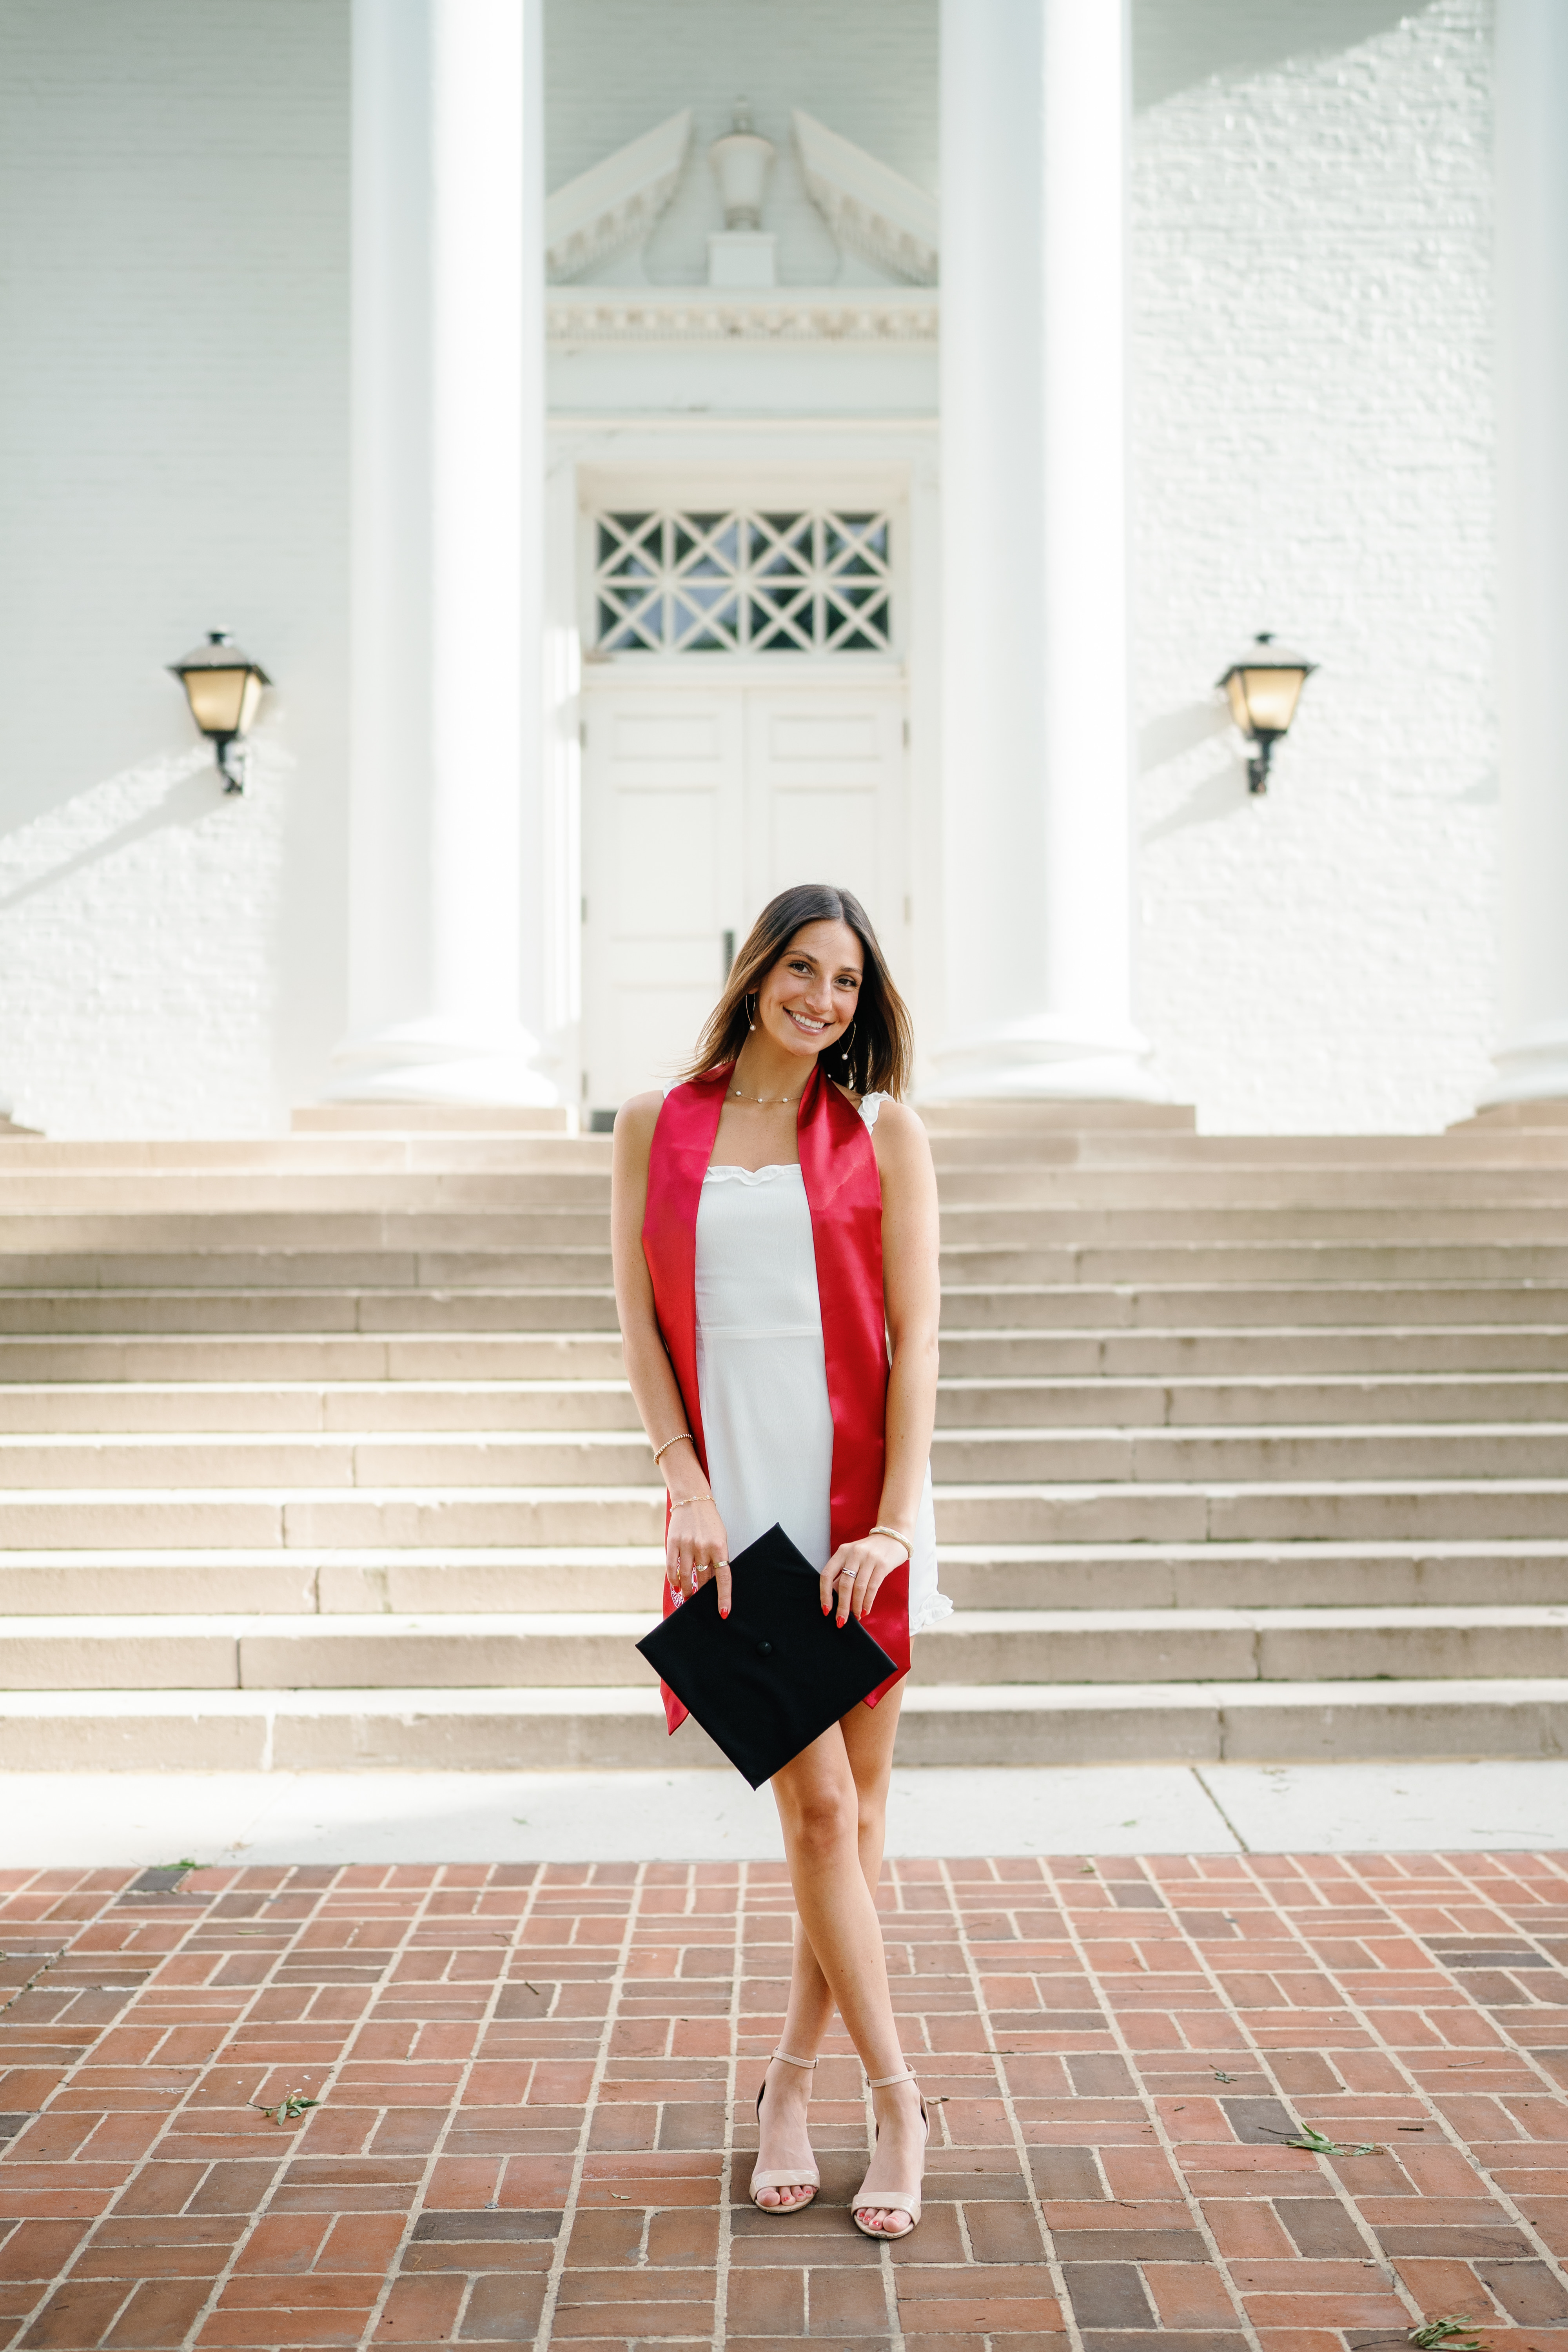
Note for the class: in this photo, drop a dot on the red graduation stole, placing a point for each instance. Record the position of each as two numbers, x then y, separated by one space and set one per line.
843 1193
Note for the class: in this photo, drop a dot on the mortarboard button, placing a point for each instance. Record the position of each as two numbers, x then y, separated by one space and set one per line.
764 1649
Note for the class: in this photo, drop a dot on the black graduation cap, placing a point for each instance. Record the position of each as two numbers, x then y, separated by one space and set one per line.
768 1679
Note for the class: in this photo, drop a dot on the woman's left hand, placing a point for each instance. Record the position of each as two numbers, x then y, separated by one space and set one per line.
855 1572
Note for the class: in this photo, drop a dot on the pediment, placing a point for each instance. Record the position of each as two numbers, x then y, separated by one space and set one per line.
615 201
868 205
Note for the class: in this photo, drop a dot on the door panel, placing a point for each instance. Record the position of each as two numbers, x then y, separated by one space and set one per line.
824 798
698 806
661 812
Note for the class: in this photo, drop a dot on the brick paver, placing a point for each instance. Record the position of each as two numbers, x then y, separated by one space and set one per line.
535 2084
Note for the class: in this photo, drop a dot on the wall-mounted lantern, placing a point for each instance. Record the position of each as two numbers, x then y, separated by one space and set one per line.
1264 687
223 685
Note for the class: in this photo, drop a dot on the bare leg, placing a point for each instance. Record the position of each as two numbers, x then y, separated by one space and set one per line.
832 1802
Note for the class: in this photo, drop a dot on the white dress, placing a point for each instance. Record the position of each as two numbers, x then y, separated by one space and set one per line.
761 1376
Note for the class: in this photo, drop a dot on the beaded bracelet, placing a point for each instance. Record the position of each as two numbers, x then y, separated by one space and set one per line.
676 1440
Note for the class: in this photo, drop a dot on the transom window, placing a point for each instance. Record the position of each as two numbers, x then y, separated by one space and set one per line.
807 581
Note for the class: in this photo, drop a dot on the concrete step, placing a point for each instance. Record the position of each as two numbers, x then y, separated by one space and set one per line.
42 1312
971 1225
1073 1120
539 1730
276 1407
999 1170
581 1220
499 1213
431 1119
1329 1511
1024 1308
1476 1354
502 1176
1193 1456
1238 1353
1409 1511
225 1173
597 1651
183 1408
1331 1399
451 1580
462 1457
299 1460
163 1357
1170 1307
1242 1262
309 1264
306 1267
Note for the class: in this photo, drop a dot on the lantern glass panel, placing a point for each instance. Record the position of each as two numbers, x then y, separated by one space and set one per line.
1268 696
223 702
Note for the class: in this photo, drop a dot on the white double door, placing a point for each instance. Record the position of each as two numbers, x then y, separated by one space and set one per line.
699 803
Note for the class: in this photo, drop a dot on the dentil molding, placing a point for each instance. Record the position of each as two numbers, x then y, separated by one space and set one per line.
861 314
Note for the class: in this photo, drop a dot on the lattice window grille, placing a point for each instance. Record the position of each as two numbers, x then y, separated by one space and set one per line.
808 581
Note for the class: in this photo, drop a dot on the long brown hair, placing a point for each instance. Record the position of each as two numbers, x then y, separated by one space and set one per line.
875 1055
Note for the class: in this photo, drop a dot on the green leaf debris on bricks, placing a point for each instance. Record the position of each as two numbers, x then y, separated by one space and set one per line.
1316 2144
289 2109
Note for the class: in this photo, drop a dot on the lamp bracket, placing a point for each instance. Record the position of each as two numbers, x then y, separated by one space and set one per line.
1258 763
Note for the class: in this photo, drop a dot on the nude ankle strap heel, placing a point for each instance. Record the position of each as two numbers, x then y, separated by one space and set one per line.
803 2176
890 2201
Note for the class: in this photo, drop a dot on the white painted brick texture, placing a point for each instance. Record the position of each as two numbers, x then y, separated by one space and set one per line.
172 310
1311 246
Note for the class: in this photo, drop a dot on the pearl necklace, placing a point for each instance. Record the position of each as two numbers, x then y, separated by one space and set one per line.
763 1099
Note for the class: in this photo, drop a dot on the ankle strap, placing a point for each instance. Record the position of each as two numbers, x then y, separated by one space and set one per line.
805 2064
884 2082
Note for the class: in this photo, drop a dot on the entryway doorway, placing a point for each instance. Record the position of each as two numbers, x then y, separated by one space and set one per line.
700 802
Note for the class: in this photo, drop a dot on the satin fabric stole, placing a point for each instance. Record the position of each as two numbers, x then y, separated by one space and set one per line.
844 1194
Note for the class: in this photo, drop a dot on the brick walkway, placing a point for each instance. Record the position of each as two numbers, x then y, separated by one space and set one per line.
526 2079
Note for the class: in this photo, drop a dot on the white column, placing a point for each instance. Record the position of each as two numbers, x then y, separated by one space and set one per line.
1532 110
1036 718
446 579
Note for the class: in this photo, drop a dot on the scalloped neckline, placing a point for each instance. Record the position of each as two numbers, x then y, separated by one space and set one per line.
724 1171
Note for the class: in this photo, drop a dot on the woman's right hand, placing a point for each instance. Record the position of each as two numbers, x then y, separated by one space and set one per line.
696 1551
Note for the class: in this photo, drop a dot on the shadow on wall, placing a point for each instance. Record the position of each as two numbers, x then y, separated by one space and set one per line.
1179 43
186 800
1220 790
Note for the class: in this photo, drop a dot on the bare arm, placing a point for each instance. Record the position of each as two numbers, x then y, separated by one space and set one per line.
696 1548
912 1290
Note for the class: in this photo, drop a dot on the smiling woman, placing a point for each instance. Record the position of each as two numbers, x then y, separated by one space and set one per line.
871 1045
776 1237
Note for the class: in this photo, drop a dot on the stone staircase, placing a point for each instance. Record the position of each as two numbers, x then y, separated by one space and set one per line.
316 1452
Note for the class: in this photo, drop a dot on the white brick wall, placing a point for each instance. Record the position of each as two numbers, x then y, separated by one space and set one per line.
1312 326
1311 243
173 275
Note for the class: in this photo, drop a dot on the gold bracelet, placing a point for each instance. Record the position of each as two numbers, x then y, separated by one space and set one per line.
685 1500
880 1530
669 1442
